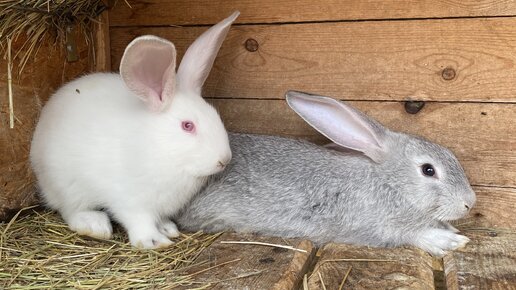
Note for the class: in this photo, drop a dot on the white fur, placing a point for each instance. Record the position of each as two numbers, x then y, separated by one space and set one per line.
98 146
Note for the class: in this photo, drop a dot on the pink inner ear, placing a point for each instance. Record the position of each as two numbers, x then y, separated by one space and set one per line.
338 122
149 73
148 69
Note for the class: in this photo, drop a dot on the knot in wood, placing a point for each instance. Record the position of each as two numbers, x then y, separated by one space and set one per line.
413 107
251 45
448 74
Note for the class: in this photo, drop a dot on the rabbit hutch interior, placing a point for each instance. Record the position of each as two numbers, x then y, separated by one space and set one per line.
443 70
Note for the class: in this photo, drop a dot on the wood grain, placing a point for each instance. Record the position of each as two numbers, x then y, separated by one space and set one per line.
388 60
487 262
188 12
102 43
233 266
40 78
495 208
399 268
483 136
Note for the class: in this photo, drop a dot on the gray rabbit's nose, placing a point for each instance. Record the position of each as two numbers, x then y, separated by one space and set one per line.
468 206
470 200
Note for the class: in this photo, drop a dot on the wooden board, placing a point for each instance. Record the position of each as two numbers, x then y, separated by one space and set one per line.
39 79
495 207
187 12
487 262
483 136
235 266
102 42
387 60
372 268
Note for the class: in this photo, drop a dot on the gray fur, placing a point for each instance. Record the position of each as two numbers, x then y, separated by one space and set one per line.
292 188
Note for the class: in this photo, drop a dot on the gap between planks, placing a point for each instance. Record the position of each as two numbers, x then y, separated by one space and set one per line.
312 22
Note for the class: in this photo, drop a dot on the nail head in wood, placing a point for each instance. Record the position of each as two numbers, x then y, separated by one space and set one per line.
413 107
251 45
448 74
70 46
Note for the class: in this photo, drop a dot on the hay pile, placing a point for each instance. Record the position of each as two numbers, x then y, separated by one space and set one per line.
38 251
30 21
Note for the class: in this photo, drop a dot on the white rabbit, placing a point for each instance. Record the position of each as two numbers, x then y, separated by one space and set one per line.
135 146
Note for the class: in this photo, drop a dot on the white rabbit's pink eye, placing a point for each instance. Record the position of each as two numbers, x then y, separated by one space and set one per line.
188 126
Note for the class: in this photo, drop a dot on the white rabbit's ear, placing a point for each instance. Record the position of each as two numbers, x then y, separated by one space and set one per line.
340 123
148 69
198 59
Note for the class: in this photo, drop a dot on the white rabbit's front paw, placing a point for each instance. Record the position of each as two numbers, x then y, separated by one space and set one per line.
92 223
438 241
168 228
145 239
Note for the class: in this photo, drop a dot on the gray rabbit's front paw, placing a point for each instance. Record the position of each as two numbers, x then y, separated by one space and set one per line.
448 226
438 241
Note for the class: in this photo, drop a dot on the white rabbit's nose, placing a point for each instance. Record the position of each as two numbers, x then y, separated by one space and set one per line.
224 162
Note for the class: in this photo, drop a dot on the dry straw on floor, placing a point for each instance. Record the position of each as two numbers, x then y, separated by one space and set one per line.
38 251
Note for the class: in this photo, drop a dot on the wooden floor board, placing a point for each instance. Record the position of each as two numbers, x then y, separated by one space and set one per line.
241 266
487 262
356 267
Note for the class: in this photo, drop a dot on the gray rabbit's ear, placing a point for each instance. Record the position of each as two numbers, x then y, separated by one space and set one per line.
340 123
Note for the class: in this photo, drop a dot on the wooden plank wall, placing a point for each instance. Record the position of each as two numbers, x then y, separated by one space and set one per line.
38 80
43 74
457 56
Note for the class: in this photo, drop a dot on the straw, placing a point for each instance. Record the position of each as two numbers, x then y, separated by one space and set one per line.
38 251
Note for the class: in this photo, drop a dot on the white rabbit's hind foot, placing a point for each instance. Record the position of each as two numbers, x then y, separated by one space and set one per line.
92 223
149 239
168 228
438 241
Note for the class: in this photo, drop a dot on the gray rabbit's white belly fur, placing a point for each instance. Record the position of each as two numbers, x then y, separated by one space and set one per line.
293 188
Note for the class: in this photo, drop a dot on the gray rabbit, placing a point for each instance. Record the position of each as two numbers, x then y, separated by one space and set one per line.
381 188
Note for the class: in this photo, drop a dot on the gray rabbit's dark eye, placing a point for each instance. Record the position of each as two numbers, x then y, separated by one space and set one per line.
428 169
